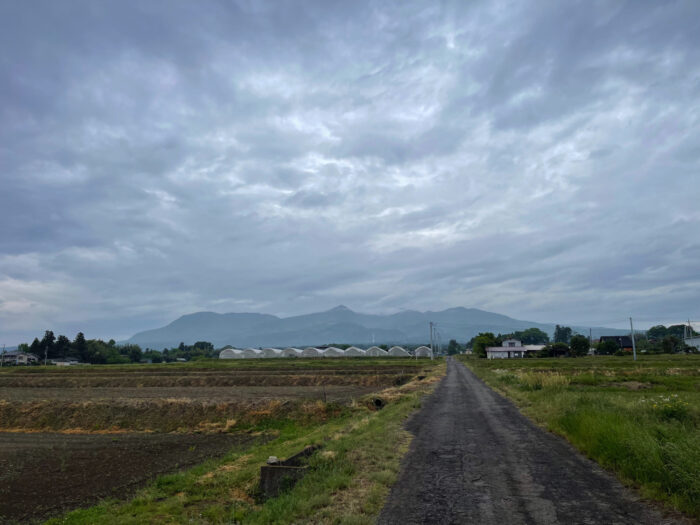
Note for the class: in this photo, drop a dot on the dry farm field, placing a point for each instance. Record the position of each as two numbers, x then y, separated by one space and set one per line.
72 437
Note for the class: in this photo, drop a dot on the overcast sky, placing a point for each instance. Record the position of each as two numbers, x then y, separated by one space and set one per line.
538 159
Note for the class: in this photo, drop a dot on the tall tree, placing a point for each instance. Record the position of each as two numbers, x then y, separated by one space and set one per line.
61 347
47 344
80 347
35 347
453 347
579 345
562 334
482 341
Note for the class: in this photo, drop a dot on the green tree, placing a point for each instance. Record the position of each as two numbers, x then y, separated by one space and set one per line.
453 347
62 346
47 344
562 334
23 347
560 349
607 347
656 333
35 347
532 336
579 345
79 347
481 342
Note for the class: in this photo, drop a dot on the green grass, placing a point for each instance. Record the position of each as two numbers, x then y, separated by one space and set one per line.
347 482
640 419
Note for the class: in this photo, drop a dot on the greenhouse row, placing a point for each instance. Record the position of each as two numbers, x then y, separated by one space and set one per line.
331 351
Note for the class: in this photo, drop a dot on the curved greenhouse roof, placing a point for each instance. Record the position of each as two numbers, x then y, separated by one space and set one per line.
291 352
252 353
332 351
231 353
353 351
271 352
375 351
423 351
397 351
310 351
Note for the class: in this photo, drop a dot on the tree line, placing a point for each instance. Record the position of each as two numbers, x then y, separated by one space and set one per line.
99 352
657 340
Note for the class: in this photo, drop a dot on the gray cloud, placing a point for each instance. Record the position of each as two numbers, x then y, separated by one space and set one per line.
539 160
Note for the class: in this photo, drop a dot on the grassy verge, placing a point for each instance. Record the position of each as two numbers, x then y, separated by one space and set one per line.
347 482
640 419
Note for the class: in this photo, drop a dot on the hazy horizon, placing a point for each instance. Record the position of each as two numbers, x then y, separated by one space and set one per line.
537 160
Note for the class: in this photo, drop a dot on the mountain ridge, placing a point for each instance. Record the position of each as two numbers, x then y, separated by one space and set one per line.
337 325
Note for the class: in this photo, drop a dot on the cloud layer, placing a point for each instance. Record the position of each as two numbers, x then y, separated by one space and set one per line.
538 159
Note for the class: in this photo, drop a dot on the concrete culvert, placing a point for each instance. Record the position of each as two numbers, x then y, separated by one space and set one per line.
378 403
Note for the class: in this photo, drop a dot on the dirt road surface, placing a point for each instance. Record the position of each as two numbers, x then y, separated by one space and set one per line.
476 459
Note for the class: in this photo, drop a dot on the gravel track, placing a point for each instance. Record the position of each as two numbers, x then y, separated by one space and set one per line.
476 459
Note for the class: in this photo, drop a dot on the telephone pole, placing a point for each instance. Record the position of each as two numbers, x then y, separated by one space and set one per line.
634 345
431 338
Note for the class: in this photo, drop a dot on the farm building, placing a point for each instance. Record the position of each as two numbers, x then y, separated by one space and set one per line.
332 351
291 352
271 352
252 353
353 351
375 351
18 358
423 351
623 341
397 351
310 351
231 353
511 349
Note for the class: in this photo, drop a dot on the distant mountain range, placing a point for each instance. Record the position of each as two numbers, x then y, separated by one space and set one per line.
338 325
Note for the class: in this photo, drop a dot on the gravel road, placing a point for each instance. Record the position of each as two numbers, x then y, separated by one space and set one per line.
476 459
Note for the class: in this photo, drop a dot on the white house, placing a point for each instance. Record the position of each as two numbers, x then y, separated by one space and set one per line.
18 358
511 349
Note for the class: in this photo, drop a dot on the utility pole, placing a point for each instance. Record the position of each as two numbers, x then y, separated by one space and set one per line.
432 351
2 359
634 345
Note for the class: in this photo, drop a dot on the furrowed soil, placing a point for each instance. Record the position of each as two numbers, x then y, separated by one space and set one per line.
44 473
70 437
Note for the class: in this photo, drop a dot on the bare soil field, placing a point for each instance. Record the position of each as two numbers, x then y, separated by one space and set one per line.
70 437
217 394
44 473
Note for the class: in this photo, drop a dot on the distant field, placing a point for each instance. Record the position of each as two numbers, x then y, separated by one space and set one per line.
137 421
639 418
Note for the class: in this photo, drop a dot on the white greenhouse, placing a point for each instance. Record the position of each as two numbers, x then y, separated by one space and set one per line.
397 351
231 353
310 351
291 352
375 351
271 352
332 351
252 353
353 351
423 351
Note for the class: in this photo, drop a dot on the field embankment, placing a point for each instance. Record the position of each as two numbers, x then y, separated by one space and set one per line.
640 419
